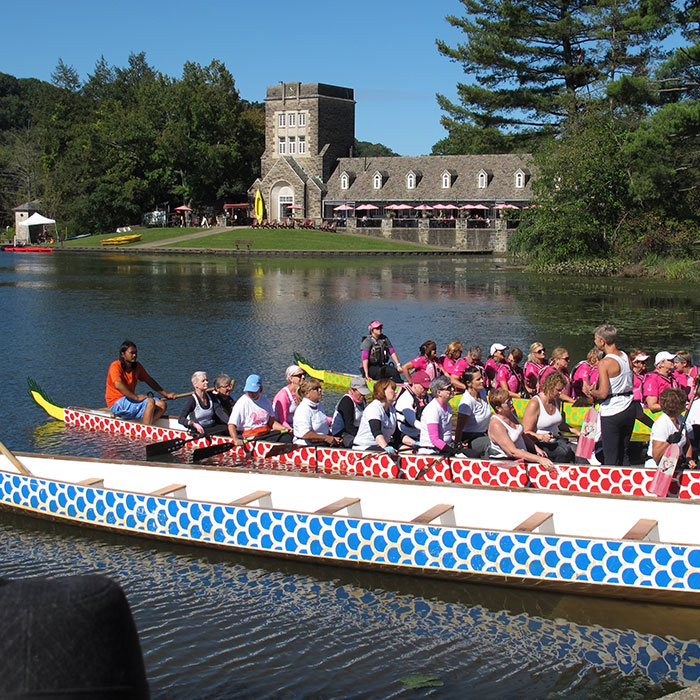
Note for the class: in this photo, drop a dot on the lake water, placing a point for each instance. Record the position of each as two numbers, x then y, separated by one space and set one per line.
223 626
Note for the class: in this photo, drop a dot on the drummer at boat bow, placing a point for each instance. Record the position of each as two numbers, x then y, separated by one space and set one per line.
202 412
122 378
252 415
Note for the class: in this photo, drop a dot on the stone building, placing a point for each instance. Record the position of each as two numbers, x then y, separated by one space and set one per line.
308 170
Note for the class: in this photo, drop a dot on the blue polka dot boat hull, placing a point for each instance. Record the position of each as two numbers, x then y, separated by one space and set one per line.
637 548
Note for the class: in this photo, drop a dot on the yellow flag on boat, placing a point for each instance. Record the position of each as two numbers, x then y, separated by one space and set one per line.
258 206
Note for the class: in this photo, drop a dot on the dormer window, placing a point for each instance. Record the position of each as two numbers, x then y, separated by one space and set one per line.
344 181
483 180
519 179
377 181
446 180
411 181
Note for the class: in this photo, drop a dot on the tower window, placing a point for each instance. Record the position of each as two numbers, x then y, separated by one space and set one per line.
302 144
302 119
281 119
291 119
292 145
282 146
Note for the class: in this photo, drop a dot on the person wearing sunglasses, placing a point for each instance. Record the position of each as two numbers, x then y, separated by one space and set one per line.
558 362
536 362
284 402
436 419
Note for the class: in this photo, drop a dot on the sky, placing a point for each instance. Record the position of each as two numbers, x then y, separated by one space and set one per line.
383 49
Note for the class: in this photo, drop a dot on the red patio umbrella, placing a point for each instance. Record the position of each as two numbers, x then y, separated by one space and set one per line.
183 207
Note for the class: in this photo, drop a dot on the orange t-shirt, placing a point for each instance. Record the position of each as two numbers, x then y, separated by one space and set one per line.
126 377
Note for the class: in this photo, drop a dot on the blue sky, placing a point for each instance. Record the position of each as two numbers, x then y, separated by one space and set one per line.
384 49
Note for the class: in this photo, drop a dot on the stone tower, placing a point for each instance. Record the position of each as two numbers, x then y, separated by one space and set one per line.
311 122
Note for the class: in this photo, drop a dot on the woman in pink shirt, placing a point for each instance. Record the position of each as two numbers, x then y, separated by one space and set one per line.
496 359
536 362
285 401
638 360
684 372
510 375
453 364
559 362
660 378
585 374
425 362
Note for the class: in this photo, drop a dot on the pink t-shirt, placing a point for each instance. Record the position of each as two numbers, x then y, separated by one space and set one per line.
532 371
581 374
654 383
421 363
548 370
455 367
284 403
491 369
637 381
506 374
685 381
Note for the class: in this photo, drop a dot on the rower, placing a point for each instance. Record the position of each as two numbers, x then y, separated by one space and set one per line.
122 378
202 412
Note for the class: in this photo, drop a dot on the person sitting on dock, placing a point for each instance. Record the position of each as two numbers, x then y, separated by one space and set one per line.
202 413
252 416
123 376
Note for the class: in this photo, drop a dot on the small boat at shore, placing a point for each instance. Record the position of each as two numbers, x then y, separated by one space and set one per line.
580 478
122 240
574 414
27 249
633 548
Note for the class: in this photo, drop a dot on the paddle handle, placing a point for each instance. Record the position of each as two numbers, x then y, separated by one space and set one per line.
209 390
20 467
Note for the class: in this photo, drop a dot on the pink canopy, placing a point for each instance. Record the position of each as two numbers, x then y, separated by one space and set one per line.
449 206
366 207
506 206
479 206
423 207
184 207
296 206
343 207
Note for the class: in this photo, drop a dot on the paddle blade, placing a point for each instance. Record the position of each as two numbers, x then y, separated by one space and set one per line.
282 449
204 452
166 447
664 473
586 438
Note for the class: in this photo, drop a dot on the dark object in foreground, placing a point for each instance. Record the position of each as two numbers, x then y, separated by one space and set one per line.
69 637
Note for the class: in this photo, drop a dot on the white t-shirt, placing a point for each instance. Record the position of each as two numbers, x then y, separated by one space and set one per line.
478 413
248 413
435 413
375 411
309 417
694 415
662 428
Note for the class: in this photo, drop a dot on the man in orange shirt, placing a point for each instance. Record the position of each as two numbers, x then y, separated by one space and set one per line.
122 378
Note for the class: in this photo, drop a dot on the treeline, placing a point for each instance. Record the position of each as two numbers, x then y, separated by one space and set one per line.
606 95
127 140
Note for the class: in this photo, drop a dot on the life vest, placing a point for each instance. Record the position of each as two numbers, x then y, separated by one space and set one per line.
379 354
520 388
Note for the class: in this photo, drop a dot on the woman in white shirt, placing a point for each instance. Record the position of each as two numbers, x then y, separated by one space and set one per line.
436 420
667 430
473 415
378 424
311 424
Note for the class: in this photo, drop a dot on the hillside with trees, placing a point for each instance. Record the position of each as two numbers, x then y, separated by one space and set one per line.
605 95
127 140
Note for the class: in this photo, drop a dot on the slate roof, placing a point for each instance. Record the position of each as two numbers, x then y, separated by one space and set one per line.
500 169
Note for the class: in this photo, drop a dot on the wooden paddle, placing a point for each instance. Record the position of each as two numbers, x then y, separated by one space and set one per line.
15 462
586 438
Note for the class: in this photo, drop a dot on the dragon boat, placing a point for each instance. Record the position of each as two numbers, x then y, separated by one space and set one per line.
582 478
574 414
609 546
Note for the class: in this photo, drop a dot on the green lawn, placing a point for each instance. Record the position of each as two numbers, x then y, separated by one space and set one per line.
147 236
293 239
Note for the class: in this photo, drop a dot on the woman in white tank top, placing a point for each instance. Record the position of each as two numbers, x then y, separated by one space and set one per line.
508 441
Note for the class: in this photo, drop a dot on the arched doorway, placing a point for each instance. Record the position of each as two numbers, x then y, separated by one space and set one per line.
281 199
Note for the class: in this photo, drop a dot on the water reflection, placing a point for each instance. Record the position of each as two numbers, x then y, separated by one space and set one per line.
501 644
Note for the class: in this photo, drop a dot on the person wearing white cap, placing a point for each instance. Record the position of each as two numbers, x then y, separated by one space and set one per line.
660 378
252 414
617 410
496 357
377 350
284 402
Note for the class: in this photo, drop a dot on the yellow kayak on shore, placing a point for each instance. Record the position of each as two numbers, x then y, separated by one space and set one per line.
121 240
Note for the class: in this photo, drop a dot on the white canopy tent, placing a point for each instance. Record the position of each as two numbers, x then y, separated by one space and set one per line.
23 235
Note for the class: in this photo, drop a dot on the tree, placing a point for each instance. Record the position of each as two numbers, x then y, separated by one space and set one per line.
536 64
66 77
365 148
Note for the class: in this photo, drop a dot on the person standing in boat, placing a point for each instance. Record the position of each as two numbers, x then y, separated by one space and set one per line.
425 362
285 400
202 413
378 425
411 402
311 424
252 415
660 378
615 391
377 350
123 376
348 411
